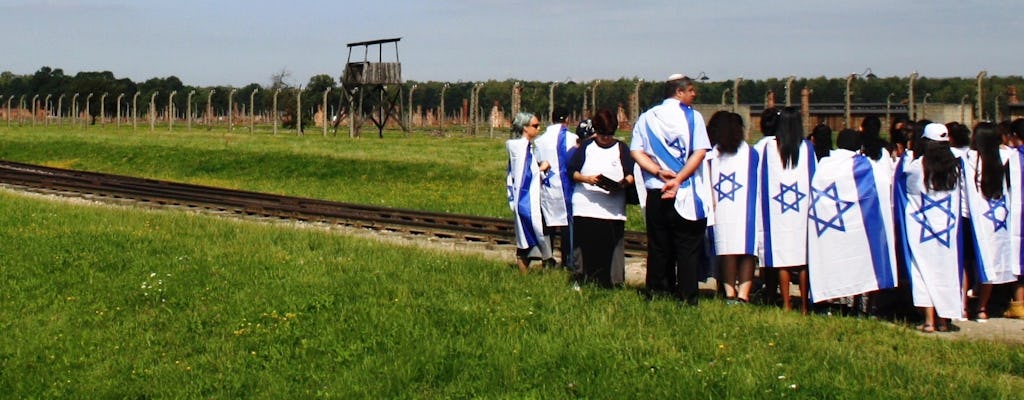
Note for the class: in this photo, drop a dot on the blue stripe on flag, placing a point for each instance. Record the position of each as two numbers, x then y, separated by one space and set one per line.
871 213
563 171
698 204
524 209
1020 251
978 259
899 189
766 224
662 153
960 234
811 159
751 200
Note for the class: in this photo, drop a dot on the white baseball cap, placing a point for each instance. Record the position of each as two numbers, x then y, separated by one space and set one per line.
936 132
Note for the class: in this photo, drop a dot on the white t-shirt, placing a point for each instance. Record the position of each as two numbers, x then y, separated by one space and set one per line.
592 201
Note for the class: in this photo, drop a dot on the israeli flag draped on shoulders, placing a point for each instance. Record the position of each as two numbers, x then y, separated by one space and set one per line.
556 184
523 190
849 242
733 179
990 221
783 197
669 133
1016 220
928 222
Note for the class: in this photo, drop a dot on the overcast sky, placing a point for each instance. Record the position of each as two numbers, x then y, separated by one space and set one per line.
234 42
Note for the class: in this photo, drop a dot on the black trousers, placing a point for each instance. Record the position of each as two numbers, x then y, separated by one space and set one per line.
673 249
599 249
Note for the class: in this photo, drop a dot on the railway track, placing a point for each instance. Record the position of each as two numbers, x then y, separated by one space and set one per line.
101 186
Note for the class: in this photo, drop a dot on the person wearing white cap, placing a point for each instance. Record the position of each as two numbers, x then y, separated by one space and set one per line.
928 202
669 143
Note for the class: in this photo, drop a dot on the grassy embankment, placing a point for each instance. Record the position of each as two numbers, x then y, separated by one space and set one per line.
115 303
457 174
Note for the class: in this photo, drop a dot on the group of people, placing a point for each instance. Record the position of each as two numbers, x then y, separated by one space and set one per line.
938 211
573 184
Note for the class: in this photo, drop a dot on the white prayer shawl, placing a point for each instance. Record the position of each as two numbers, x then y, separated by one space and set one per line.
523 185
556 184
990 220
733 179
849 237
783 197
664 134
1016 213
929 222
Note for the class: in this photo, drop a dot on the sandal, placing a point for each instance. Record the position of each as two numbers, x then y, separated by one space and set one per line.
981 316
926 328
948 327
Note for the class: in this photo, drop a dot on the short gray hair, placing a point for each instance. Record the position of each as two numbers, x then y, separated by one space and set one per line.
675 84
520 121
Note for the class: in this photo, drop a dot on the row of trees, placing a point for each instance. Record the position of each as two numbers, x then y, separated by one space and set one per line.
568 96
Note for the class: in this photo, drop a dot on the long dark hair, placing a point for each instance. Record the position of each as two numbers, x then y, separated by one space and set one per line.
873 147
941 168
986 142
821 135
769 121
789 136
726 129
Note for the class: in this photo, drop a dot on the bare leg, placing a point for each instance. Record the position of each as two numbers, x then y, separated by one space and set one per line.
984 294
929 319
523 264
746 272
729 275
784 280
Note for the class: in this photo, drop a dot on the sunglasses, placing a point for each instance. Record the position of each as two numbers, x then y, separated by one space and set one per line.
535 125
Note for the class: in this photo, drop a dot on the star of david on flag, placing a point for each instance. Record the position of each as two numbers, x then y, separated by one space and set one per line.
831 194
929 221
730 192
546 180
997 213
676 144
789 205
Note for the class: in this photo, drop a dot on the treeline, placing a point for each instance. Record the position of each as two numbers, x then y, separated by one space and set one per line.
568 96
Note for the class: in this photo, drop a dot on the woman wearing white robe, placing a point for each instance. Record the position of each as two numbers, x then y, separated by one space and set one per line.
930 227
1016 139
523 186
784 188
849 241
732 172
989 214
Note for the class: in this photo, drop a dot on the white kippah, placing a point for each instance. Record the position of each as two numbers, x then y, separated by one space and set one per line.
676 77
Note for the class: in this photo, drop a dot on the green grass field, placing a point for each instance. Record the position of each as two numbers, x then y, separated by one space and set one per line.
113 302
455 174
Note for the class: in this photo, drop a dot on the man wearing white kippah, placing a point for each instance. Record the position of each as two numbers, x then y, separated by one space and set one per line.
669 142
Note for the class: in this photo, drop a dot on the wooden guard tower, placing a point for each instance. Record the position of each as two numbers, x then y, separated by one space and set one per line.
366 82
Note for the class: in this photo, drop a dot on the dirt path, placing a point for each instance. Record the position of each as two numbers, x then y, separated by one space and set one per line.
996 329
